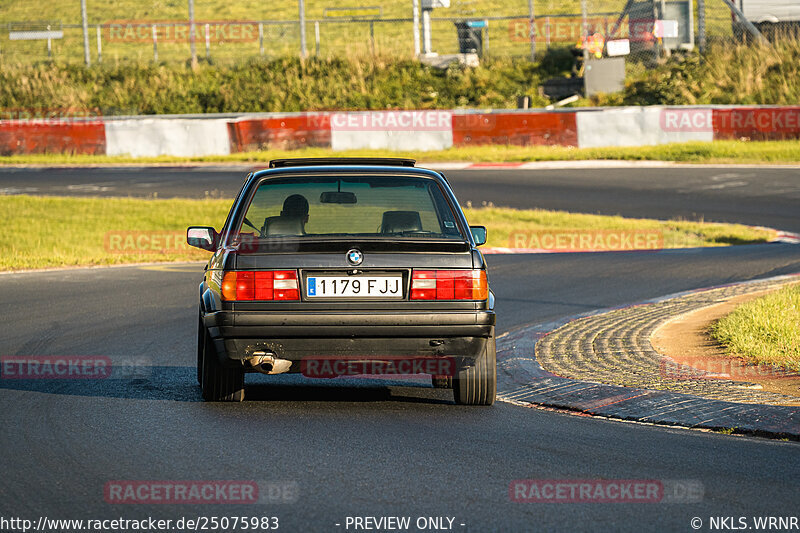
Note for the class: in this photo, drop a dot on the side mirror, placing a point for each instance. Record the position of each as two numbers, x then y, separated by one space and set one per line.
203 237
478 234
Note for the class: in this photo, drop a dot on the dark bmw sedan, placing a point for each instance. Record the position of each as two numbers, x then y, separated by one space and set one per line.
346 266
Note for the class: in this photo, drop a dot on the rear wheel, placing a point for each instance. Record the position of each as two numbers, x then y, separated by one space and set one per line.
219 383
201 330
477 385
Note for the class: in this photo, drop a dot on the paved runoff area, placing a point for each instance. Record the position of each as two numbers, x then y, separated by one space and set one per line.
604 364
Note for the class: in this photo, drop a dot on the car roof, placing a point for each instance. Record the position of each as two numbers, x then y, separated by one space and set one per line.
375 170
338 161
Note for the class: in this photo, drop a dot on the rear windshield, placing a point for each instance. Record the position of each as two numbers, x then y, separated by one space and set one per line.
330 206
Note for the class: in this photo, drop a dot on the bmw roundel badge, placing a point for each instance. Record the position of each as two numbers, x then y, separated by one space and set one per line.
354 257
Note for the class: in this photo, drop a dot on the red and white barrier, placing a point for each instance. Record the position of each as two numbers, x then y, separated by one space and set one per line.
392 130
772 123
41 137
150 137
517 128
642 126
200 135
284 132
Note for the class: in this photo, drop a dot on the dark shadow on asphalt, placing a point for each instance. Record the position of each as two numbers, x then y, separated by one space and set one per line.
310 393
179 384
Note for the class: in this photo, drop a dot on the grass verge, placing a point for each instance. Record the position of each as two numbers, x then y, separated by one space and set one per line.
765 330
717 152
531 228
41 232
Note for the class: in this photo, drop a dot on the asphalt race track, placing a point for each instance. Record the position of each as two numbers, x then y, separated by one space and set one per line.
369 447
758 196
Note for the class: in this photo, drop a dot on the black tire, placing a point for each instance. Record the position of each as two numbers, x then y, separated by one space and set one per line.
442 382
477 385
201 330
220 383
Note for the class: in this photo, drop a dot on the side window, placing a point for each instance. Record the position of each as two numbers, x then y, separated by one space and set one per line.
226 228
444 212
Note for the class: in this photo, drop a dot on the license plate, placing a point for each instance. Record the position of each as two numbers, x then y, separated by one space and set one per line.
354 287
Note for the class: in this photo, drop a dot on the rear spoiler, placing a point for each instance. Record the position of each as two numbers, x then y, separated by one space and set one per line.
325 161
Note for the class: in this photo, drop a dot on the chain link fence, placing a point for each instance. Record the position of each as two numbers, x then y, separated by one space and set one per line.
227 33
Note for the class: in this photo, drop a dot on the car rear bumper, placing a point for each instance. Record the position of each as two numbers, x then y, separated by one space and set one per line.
298 335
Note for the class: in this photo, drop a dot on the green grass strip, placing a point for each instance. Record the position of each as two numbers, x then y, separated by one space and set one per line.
765 330
42 232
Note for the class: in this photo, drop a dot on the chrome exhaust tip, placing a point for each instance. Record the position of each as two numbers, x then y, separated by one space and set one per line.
267 363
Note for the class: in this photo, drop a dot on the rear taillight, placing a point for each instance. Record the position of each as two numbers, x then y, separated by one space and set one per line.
449 285
260 285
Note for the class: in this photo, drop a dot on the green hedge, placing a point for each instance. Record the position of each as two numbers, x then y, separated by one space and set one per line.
727 75
287 84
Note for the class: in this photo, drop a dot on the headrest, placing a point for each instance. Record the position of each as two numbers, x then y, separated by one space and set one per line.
399 221
283 225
